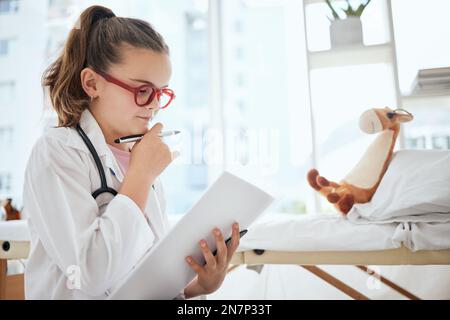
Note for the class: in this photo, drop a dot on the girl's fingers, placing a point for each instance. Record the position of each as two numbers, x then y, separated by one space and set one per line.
194 265
209 258
221 247
156 129
234 241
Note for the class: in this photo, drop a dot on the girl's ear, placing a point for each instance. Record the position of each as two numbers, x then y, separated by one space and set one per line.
90 82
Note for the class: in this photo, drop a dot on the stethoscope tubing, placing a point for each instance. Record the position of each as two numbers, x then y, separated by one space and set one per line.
104 185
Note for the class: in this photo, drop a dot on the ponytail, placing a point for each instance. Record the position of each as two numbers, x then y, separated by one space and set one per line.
92 43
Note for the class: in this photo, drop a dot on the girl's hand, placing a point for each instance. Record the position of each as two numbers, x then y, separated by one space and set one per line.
150 156
211 275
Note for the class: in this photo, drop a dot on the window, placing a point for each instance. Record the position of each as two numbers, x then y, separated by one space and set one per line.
256 121
6 92
7 6
266 116
183 24
426 49
6 47
430 128
186 178
238 26
6 137
240 82
239 53
441 141
5 183
60 8
350 90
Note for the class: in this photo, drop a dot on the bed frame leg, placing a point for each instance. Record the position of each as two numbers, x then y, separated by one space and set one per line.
325 276
389 283
3 270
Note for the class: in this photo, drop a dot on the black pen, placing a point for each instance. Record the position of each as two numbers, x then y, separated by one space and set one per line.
136 137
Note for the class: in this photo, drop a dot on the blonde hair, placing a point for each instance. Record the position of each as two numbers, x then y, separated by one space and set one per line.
95 43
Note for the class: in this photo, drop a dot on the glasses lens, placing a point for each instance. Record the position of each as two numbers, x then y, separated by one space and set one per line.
164 99
144 95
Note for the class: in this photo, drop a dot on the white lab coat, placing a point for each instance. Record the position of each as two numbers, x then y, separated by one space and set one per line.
77 241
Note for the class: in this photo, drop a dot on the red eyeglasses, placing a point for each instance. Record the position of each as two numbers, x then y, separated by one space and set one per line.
144 95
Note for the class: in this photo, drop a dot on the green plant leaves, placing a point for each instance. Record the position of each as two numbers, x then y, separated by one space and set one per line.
335 15
349 11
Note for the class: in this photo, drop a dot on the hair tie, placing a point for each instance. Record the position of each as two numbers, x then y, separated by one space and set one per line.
100 16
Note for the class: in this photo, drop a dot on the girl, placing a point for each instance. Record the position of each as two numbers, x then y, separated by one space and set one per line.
95 207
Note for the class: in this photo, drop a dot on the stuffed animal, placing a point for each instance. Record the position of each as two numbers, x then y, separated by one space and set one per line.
361 183
11 212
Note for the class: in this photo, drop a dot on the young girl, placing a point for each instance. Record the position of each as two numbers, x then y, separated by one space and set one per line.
95 207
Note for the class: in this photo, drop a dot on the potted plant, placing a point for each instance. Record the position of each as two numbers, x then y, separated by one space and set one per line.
346 28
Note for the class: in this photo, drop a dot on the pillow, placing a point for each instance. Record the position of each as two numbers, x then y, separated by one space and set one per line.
416 187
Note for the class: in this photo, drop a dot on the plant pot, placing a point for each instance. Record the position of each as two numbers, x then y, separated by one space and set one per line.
346 32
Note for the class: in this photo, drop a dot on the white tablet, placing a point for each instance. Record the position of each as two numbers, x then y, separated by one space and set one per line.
163 272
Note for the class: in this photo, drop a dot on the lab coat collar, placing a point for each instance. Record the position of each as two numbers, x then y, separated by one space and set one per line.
90 126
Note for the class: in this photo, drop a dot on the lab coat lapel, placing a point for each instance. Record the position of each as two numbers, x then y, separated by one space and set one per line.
90 126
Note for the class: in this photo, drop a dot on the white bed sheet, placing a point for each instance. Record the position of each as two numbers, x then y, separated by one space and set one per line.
314 232
336 233
14 230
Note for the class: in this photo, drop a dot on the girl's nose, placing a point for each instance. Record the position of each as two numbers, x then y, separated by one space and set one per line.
153 108
154 105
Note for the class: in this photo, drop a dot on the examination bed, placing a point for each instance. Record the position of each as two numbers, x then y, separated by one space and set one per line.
407 222
314 240
307 241
14 245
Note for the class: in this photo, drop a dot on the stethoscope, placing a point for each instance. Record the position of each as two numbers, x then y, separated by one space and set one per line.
104 186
